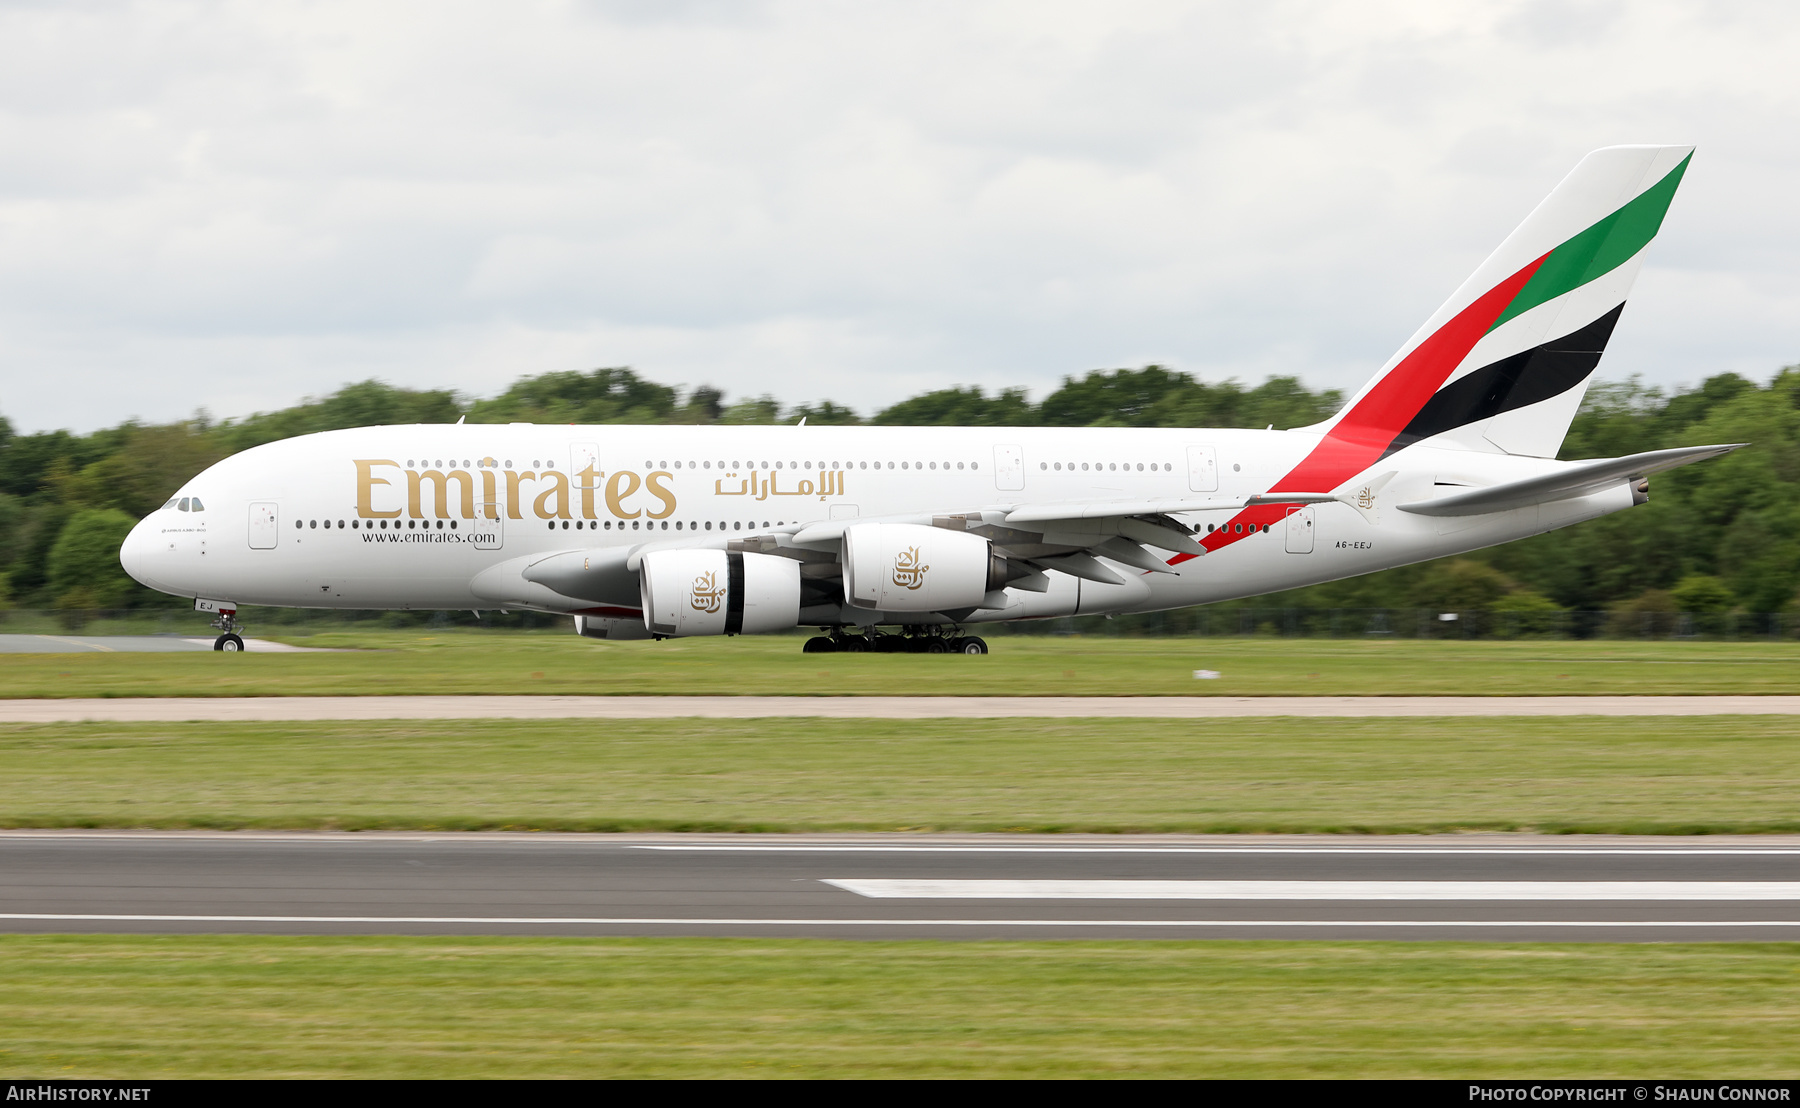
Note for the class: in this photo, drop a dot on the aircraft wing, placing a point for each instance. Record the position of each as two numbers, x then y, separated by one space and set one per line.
1065 536
1579 479
1088 539
1069 538
1102 509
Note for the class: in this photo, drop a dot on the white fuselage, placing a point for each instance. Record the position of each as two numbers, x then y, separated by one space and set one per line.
446 517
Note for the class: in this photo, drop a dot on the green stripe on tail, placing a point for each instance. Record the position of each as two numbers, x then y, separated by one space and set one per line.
1600 249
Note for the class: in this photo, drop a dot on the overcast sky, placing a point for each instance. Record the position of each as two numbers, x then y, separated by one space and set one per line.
233 206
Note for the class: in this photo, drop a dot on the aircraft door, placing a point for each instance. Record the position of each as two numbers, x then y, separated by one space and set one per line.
586 479
487 531
584 455
1009 468
264 529
1203 468
1300 531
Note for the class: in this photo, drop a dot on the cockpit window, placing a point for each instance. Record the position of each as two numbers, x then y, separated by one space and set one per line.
184 503
173 500
197 506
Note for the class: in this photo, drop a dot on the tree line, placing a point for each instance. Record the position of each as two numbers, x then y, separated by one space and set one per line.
1715 537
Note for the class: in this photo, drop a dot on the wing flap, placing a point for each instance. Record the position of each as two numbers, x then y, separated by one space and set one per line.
1081 565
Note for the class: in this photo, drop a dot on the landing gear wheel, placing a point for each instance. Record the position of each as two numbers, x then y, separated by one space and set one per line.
970 645
819 644
937 646
230 643
853 644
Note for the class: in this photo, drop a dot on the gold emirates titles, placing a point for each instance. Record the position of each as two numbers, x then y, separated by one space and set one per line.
554 495
707 594
908 573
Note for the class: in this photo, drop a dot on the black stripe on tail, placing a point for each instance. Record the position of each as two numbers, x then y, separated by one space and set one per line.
1512 383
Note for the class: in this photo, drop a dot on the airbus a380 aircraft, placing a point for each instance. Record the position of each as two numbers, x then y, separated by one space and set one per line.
642 532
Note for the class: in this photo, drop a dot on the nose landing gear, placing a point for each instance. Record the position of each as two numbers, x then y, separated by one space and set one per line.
225 619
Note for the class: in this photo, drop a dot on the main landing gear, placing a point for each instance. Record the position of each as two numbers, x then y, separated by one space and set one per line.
912 641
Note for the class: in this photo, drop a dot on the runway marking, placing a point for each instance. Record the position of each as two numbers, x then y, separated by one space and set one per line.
1446 849
103 649
679 921
957 889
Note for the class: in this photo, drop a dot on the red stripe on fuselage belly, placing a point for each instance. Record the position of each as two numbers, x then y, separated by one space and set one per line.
1357 441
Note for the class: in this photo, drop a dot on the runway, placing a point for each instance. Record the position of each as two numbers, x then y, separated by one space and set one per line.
884 887
291 708
132 644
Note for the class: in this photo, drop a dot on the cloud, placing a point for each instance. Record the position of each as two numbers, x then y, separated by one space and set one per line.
234 205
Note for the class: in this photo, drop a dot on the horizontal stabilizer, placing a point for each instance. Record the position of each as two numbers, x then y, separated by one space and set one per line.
1578 479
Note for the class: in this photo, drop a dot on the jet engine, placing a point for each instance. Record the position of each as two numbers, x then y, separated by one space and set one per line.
718 592
903 567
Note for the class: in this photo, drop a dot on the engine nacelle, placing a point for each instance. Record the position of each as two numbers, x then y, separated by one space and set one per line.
903 567
716 592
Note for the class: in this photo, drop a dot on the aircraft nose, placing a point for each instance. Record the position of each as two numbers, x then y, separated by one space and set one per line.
138 552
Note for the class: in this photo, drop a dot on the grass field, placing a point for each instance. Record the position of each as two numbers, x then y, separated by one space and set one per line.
1618 775
499 662
242 1006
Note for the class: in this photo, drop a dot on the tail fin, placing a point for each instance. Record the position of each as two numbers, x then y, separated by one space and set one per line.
1503 365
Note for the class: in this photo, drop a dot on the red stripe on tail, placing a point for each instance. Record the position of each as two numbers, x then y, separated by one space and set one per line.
1362 436
1359 439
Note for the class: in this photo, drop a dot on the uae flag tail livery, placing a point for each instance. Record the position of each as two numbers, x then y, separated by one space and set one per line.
662 532
1503 365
